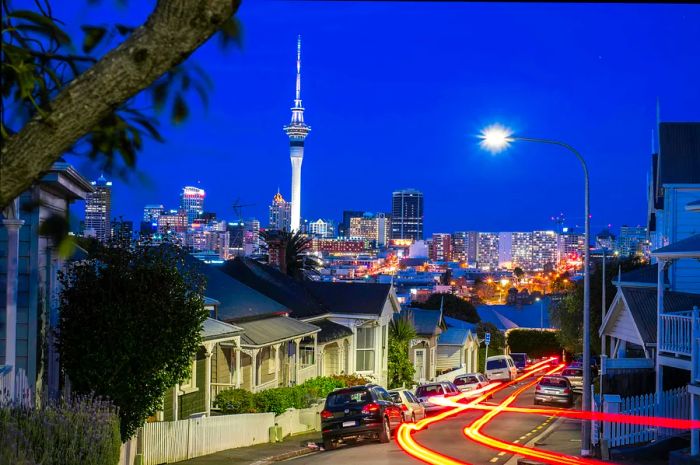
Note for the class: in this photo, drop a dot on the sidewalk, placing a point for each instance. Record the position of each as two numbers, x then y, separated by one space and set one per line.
261 454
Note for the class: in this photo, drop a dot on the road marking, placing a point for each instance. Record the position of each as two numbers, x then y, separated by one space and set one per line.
522 437
494 460
516 441
500 454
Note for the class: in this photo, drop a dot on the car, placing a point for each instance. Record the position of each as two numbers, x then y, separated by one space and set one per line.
470 382
575 377
439 389
411 407
555 390
359 412
500 367
520 359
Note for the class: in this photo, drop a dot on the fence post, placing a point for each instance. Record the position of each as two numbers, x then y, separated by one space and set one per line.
611 404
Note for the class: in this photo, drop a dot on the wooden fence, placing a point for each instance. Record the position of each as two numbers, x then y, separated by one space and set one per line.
22 394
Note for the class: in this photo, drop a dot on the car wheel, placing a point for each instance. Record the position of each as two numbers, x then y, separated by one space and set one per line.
537 402
385 433
328 444
413 418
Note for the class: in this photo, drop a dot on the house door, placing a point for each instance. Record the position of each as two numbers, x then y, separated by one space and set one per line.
419 364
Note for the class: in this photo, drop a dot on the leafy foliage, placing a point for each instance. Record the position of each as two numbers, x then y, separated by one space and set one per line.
145 310
295 261
401 370
567 315
498 340
320 386
453 306
534 343
235 401
81 430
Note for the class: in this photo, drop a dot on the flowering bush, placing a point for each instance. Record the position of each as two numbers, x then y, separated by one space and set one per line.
82 430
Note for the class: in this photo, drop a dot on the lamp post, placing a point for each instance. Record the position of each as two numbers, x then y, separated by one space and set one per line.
541 314
497 138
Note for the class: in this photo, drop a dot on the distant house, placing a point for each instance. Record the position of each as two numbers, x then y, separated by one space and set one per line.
422 350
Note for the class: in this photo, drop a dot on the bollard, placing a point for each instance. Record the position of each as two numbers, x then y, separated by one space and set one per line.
278 433
272 433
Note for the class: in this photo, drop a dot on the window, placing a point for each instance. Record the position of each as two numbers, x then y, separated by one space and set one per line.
365 349
343 398
429 390
496 364
190 385
271 365
382 394
306 356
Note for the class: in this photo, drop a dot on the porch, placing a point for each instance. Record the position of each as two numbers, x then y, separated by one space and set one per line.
679 341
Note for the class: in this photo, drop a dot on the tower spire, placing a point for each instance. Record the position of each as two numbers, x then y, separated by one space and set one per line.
297 101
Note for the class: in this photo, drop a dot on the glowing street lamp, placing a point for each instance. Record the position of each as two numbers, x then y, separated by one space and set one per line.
496 138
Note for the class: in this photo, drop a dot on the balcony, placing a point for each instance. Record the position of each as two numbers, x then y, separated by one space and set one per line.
677 333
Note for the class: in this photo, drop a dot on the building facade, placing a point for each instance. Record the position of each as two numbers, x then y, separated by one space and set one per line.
322 228
371 227
280 214
464 246
631 240
440 249
407 214
98 210
487 250
545 250
192 202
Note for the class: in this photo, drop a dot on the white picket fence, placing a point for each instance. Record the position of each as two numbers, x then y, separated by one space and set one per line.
22 395
672 404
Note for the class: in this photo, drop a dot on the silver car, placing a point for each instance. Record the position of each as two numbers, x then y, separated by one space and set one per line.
470 382
439 389
411 408
554 390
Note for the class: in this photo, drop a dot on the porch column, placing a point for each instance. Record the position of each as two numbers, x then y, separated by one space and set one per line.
659 310
208 348
176 413
277 363
12 224
694 433
377 353
297 362
316 361
238 365
320 362
352 357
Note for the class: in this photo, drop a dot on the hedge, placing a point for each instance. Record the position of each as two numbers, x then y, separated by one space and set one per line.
535 343
80 431
278 400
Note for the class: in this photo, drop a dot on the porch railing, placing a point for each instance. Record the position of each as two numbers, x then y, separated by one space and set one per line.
306 373
268 385
678 332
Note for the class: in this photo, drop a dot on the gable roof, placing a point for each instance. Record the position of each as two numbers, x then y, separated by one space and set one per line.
351 298
236 300
455 323
275 329
453 337
215 329
641 303
426 322
645 276
511 316
688 248
331 331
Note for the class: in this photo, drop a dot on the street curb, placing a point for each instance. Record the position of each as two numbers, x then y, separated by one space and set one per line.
287 455
544 435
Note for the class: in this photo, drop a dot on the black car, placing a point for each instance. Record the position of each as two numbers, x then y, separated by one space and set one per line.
359 412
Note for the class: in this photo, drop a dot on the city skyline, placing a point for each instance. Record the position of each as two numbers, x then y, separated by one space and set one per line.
352 88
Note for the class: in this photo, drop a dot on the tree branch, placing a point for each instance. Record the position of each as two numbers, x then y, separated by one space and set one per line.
173 31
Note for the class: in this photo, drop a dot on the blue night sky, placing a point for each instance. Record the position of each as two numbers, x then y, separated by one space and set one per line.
396 93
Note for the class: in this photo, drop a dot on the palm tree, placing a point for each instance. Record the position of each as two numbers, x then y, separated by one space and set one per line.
295 261
401 370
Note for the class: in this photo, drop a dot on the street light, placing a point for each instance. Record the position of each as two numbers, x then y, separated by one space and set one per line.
497 138
537 299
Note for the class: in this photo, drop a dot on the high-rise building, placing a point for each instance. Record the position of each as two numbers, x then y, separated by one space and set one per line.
151 213
297 131
605 239
407 214
505 249
122 231
192 202
487 250
371 227
98 210
280 213
322 228
344 226
464 246
440 249
631 240
521 250
571 244
173 221
545 250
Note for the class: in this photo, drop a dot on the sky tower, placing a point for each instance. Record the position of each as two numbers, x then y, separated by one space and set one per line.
297 131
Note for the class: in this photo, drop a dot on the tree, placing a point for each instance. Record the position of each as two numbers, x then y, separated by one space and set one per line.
534 342
130 323
54 98
295 260
567 315
401 371
518 273
453 306
498 340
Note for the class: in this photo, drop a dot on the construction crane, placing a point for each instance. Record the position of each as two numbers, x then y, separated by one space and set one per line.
559 222
238 233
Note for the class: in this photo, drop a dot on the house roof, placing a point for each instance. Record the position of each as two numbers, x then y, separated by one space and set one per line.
688 247
236 300
426 322
267 331
453 337
455 323
642 305
511 316
215 329
331 331
351 298
413 261
644 276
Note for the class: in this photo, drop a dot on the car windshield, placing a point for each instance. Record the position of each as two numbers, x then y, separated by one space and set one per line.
430 390
395 397
554 382
571 372
496 364
466 380
522 358
342 398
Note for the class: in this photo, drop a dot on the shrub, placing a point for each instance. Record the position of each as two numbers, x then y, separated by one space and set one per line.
278 400
235 401
83 430
319 387
351 380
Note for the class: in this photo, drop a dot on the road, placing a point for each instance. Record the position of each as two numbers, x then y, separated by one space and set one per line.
447 438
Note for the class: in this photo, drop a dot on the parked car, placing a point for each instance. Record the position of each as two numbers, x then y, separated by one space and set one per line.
500 367
411 407
359 412
439 389
575 377
520 359
595 363
554 389
470 381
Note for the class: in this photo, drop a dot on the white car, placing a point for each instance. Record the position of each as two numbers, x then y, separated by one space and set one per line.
470 381
411 408
501 367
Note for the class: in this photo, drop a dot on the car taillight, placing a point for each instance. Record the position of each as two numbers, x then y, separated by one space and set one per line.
567 391
370 408
404 408
325 414
538 388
